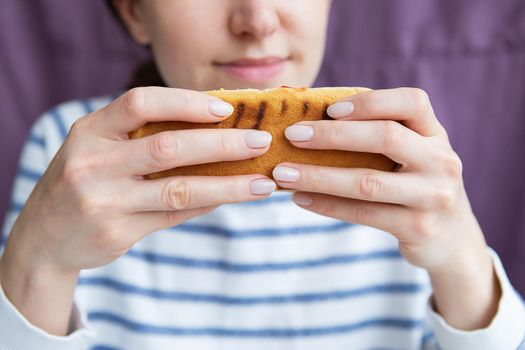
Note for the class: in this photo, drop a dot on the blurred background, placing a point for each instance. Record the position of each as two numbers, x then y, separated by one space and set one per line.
469 55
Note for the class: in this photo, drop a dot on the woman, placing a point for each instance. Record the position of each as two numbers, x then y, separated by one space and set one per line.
259 275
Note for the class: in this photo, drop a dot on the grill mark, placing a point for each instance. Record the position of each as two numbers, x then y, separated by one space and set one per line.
306 107
240 111
325 113
260 115
284 107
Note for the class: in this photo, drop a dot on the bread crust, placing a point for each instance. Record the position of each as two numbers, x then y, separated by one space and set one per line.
272 110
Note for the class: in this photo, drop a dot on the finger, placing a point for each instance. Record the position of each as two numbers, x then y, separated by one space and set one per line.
171 149
386 217
189 192
363 184
390 138
141 105
408 105
142 224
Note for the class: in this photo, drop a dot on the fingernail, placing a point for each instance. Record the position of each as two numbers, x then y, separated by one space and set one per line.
262 186
220 108
299 133
340 109
303 199
287 174
258 139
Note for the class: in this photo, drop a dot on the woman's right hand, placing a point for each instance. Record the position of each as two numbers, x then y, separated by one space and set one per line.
92 204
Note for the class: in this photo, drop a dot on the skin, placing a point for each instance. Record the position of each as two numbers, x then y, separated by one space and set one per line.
179 33
70 223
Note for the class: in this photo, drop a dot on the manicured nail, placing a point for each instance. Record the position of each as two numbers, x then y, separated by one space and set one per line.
287 174
303 199
220 108
262 186
299 133
258 139
340 109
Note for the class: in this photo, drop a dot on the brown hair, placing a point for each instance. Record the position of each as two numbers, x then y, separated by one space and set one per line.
146 74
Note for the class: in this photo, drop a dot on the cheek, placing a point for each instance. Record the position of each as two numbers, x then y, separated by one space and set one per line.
308 21
181 57
310 37
181 43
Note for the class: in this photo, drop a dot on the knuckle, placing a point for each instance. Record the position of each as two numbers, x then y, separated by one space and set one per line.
106 237
363 214
370 102
77 126
332 133
443 199
236 191
447 162
227 144
75 170
86 205
163 148
177 195
369 185
172 217
74 131
419 99
78 129
134 101
111 241
92 204
325 207
316 180
453 166
423 225
391 134
70 172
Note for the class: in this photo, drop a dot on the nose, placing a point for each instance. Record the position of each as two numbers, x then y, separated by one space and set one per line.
254 18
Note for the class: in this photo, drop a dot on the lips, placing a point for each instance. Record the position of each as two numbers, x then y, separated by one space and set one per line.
254 69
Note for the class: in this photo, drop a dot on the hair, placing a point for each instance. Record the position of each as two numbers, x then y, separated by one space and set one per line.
146 74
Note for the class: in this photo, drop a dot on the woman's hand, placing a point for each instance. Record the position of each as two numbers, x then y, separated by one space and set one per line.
92 204
423 204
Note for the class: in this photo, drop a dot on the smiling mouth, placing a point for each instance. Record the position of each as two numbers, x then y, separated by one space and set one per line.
254 69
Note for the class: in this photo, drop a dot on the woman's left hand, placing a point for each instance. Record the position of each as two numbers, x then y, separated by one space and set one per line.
423 203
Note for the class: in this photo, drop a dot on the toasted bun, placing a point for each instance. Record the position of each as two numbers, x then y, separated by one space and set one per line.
272 110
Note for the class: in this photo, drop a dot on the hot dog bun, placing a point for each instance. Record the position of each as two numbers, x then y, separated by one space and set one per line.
272 110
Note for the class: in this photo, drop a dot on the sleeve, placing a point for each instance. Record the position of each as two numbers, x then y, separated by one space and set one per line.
506 331
16 332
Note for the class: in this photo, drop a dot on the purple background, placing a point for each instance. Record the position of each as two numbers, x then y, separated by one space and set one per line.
469 55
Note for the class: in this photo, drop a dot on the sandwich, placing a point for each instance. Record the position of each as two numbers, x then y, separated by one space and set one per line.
272 110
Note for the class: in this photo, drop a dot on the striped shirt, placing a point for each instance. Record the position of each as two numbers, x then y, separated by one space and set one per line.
257 275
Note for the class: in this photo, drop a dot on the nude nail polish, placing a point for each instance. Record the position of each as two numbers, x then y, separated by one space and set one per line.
258 139
286 174
262 187
340 109
220 108
299 133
